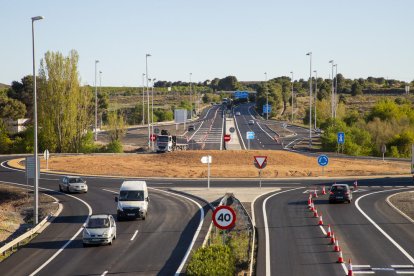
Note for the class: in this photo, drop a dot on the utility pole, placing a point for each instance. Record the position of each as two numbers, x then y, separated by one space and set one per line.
310 99
292 97
333 91
96 103
316 93
148 98
336 89
267 98
143 99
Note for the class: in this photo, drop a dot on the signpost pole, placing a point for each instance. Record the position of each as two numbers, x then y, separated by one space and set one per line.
208 175
248 144
260 179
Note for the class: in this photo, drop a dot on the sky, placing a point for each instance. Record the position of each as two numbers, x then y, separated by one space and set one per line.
209 39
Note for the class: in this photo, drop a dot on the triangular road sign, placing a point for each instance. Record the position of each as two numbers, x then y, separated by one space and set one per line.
260 160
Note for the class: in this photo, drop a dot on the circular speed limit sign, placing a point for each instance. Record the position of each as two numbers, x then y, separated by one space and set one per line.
224 217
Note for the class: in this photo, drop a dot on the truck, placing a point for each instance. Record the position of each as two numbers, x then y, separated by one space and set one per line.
167 142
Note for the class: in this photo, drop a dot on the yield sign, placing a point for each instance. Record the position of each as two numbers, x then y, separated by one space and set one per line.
261 161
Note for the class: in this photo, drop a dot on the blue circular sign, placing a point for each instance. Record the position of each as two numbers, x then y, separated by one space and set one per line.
323 160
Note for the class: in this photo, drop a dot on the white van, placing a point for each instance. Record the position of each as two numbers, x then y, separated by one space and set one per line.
133 200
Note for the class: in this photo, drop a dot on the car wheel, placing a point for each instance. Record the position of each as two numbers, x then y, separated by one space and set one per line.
349 201
330 201
118 218
60 188
85 245
67 189
110 242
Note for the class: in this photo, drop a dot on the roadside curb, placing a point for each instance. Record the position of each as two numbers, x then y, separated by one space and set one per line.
39 228
396 208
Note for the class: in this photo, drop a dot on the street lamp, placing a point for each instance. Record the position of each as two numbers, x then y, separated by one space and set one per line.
292 97
336 88
143 99
333 91
152 109
100 92
267 98
316 93
148 114
36 177
191 97
310 98
96 104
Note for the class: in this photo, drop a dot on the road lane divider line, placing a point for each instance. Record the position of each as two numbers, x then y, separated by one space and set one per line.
345 268
399 247
135 234
105 272
71 239
266 227
398 210
110 191
402 266
323 230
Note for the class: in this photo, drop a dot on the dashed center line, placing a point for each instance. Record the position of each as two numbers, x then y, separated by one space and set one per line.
135 234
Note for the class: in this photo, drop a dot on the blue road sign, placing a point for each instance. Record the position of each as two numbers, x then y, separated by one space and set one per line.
341 138
250 135
323 160
241 95
267 108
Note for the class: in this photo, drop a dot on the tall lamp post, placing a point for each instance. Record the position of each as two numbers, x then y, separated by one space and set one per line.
267 98
316 94
292 96
191 97
143 99
96 103
152 109
36 177
333 91
336 88
148 114
310 98
100 92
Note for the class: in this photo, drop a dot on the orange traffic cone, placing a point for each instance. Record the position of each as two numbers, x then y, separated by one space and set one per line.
309 201
320 222
315 194
323 190
355 185
333 238
315 213
312 208
328 234
350 273
336 247
340 258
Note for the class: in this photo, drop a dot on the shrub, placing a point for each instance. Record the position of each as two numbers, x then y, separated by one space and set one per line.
214 260
115 147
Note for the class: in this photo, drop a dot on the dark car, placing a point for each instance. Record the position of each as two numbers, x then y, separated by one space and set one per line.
191 127
340 193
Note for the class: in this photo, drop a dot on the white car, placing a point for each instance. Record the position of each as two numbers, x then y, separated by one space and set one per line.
99 229
251 122
73 184
237 113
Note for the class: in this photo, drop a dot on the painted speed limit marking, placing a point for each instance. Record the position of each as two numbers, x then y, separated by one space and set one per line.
224 217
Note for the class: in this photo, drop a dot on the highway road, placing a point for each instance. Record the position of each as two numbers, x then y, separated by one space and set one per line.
373 235
208 132
158 245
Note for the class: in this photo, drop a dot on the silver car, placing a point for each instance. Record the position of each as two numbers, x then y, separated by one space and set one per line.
73 184
99 229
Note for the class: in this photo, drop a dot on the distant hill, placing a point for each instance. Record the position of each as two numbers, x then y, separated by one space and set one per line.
2 86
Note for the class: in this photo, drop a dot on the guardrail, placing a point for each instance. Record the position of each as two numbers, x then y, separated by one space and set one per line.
17 242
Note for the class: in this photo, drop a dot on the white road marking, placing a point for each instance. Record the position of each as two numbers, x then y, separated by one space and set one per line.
135 234
363 272
345 268
323 230
361 266
404 272
402 266
110 191
160 183
105 272
399 247
266 228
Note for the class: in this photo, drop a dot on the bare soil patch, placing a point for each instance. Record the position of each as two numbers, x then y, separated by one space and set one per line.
404 202
186 164
16 211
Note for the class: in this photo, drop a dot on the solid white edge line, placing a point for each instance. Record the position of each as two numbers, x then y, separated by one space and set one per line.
362 266
363 272
344 268
135 234
323 230
254 227
405 253
266 227
404 272
398 210
180 268
105 272
402 266
70 240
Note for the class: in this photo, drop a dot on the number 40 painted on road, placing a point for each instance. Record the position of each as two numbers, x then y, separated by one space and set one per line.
224 217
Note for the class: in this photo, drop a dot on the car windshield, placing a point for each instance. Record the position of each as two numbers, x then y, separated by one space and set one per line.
131 196
98 223
338 188
76 180
162 138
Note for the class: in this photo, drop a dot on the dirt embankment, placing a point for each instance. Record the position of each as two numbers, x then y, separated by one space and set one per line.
16 211
187 164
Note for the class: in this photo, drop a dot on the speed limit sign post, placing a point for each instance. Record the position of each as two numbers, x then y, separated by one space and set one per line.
224 217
